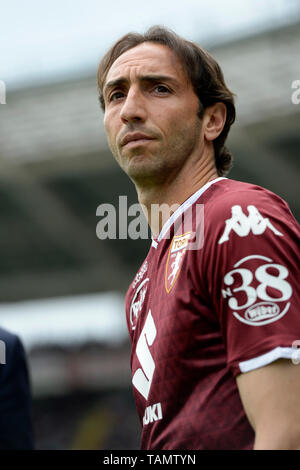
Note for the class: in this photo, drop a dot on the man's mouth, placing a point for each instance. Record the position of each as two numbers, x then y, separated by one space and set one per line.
135 138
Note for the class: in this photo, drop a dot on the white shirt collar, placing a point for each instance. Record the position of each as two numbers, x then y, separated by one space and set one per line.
184 206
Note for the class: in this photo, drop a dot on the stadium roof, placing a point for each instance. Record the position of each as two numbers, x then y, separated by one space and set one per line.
68 321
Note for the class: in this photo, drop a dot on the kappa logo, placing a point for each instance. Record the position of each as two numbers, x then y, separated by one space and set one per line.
242 224
175 259
137 302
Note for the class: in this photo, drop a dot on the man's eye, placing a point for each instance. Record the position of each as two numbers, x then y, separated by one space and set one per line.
116 95
161 89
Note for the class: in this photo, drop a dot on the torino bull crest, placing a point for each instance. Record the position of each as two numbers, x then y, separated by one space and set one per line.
175 259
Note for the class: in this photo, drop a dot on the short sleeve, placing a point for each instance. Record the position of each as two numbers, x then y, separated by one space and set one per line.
251 259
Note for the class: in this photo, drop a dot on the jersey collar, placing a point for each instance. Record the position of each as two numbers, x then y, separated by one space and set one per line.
184 206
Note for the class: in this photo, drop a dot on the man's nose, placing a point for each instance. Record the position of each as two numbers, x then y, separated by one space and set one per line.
134 107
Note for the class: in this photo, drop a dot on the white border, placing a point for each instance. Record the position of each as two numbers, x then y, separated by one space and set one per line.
183 208
264 359
154 243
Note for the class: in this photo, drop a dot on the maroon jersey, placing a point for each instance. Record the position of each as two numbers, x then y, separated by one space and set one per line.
216 296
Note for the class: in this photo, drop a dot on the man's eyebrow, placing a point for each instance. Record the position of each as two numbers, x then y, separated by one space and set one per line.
143 78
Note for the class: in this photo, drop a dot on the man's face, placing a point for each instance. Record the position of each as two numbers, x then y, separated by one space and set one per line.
150 116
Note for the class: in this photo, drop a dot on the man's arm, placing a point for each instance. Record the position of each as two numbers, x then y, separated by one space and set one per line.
270 396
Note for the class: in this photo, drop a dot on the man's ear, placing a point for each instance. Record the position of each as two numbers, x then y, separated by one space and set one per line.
214 120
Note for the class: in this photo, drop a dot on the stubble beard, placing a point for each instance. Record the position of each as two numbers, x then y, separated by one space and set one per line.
149 168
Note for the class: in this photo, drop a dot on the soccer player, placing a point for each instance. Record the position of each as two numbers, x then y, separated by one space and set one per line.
213 312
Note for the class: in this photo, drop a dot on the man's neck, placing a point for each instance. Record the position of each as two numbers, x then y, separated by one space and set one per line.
171 196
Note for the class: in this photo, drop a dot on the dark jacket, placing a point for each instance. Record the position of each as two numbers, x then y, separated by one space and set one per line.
15 397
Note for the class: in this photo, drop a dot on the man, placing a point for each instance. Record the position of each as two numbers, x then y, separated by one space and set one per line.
212 328
15 401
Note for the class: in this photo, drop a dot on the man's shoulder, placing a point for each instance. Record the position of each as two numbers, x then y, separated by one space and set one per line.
13 346
8 337
246 210
230 191
229 194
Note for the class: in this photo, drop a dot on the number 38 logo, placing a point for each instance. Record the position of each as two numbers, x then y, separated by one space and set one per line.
266 310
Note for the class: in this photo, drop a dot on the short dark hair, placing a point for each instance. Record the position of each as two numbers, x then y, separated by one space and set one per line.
201 68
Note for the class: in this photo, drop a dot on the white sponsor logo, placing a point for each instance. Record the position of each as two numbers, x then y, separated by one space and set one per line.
139 276
143 376
242 224
152 413
269 278
262 311
137 302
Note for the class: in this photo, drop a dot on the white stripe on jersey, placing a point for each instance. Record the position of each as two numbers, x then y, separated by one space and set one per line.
265 359
189 202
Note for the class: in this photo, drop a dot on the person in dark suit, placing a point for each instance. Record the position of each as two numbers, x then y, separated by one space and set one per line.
16 430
